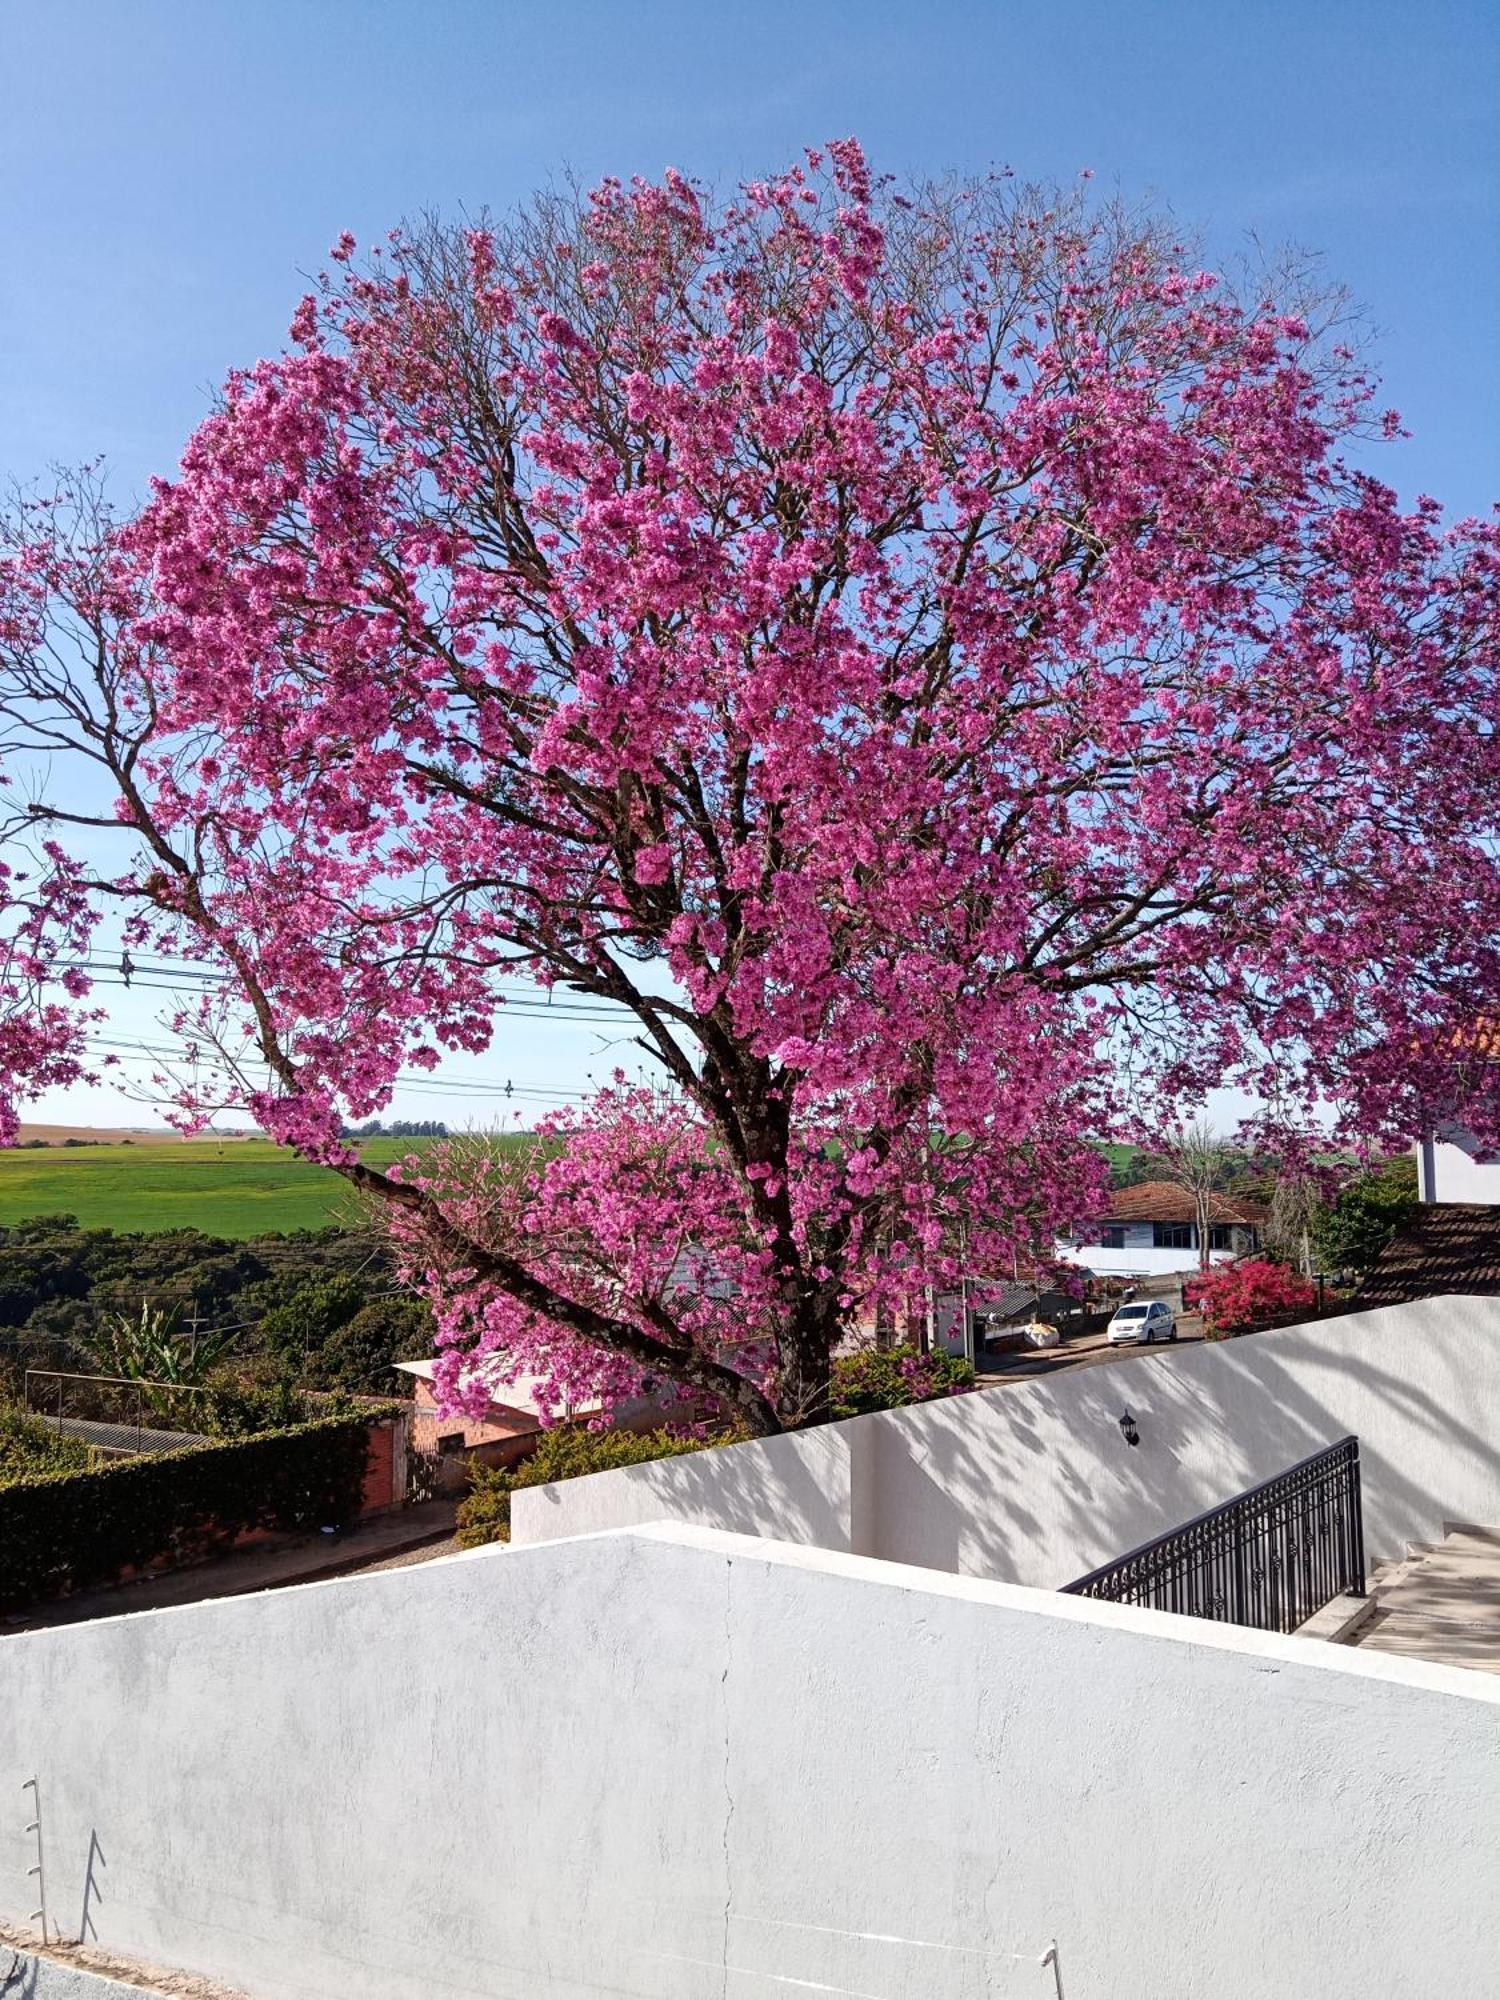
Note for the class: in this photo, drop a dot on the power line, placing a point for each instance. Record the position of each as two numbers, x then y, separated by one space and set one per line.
160 977
456 1087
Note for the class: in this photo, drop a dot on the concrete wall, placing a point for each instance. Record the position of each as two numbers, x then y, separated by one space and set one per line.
790 1489
1033 1483
677 1765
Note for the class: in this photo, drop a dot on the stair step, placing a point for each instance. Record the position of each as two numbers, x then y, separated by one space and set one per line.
1440 1602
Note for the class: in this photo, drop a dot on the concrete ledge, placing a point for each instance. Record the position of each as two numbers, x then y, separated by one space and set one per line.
1337 1622
74 1972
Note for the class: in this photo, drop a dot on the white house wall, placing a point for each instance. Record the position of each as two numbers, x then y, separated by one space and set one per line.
1451 1169
675 1765
1104 1261
1033 1482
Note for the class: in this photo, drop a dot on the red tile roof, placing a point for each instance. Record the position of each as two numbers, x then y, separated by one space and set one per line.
1164 1201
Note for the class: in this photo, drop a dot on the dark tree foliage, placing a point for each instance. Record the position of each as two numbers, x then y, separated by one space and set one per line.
360 1355
284 1297
1368 1213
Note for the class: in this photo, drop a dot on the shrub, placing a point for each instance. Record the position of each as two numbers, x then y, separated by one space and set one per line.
567 1451
484 1511
1367 1214
149 1346
28 1447
242 1403
888 1378
63 1531
1237 1297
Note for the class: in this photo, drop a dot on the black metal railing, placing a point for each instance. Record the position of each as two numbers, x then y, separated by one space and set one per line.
1269 1558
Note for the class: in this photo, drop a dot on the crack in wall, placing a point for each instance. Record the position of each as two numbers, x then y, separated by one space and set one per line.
728 1786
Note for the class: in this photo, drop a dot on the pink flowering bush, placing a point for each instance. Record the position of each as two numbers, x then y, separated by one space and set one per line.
1253 1292
928 657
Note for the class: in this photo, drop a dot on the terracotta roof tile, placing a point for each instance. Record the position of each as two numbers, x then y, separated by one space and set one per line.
1164 1201
1450 1246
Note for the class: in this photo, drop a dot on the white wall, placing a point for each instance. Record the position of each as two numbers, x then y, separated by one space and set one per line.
790 1489
1136 1263
676 1765
1451 1169
1033 1483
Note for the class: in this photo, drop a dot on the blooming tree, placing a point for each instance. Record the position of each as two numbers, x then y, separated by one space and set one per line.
925 655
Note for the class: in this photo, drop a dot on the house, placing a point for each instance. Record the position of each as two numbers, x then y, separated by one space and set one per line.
1151 1230
511 1423
1452 1164
506 1432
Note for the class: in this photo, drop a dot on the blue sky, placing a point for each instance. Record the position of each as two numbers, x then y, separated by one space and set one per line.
170 168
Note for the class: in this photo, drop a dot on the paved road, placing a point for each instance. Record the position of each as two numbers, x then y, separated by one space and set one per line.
1082 1353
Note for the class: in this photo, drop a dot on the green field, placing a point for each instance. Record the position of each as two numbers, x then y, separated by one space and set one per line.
240 1187
235 1188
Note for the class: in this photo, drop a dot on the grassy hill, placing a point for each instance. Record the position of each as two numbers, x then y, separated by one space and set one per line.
236 1187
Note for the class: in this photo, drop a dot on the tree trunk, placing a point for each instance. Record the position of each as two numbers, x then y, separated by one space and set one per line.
806 1370
885 1328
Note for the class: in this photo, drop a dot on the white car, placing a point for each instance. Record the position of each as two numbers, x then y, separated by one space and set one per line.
1151 1319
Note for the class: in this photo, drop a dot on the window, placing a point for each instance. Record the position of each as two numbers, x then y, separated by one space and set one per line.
1221 1236
1172 1235
1112 1236
451 1441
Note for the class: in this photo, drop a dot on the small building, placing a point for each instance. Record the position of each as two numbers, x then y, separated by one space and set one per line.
1452 1163
1152 1231
989 1316
511 1424
507 1431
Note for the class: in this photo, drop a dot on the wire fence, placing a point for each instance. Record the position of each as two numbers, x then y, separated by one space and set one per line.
116 1414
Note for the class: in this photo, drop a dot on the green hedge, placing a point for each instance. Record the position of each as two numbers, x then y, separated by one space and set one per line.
29 1448
64 1531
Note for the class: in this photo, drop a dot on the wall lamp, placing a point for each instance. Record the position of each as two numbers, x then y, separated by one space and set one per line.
1128 1429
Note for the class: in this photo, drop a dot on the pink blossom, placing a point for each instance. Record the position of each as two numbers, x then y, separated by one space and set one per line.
945 719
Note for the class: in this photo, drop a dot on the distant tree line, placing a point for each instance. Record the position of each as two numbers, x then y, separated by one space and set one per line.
398 1128
320 1309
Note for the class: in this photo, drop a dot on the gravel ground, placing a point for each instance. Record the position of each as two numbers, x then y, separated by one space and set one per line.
145 1978
424 1555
